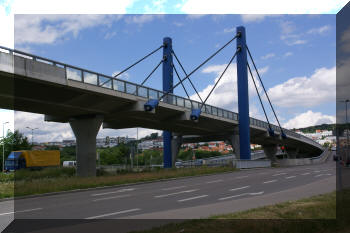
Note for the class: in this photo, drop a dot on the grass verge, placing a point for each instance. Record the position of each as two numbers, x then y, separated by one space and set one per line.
39 184
294 216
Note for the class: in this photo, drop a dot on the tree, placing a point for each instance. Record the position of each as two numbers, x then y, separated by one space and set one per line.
14 141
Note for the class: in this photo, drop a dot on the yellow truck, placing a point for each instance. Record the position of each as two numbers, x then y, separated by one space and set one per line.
32 159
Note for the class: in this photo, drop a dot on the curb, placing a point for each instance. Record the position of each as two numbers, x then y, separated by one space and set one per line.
106 187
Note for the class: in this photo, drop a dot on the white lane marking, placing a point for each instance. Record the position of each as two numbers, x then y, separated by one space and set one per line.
239 188
306 173
269 181
118 191
214 181
171 194
114 197
115 213
192 198
279 174
239 195
290 177
328 174
20 211
172 188
240 177
317 171
262 173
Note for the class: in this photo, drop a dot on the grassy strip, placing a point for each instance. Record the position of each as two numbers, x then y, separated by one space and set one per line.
286 217
23 187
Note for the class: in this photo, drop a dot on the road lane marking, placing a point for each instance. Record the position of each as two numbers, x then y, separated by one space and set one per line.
20 211
269 181
172 188
240 177
240 195
172 194
323 175
114 197
239 188
290 177
279 174
115 213
214 181
317 171
118 191
306 173
262 173
192 198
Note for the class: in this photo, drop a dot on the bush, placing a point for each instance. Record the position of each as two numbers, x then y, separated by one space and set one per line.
52 172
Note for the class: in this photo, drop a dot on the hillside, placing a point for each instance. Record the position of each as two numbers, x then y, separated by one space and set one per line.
312 129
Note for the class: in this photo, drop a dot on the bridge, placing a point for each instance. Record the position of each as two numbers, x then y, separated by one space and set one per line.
87 99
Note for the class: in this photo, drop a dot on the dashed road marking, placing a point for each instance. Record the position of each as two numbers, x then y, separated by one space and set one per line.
172 194
240 195
214 181
290 177
20 211
306 173
118 191
114 213
173 188
279 174
114 197
269 181
192 198
239 188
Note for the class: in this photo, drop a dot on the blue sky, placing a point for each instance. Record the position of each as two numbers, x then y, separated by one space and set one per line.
295 53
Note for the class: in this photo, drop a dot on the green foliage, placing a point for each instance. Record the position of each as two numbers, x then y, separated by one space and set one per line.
201 154
68 154
151 136
14 141
185 155
312 129
115 155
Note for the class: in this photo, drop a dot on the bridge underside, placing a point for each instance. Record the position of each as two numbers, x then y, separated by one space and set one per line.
37 87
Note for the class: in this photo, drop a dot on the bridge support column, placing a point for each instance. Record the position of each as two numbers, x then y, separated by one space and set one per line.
176 143
270 152
167 86
234 141
85 130
292 153
243 98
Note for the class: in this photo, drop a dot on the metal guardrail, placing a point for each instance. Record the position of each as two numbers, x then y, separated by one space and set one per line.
240 164
109 82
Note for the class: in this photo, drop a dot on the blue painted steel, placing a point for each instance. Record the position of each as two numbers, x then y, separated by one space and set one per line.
195 114
150 105
271 132
243 99
167 86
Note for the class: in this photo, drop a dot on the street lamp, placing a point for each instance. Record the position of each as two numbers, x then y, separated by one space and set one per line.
347 128
3 146
32 129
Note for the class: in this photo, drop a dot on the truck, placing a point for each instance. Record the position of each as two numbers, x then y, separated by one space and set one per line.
32 159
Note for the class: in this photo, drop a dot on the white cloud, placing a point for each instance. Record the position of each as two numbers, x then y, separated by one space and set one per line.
141 19
288 54
52 131
288 34
6 116
195 16
225 93
297 42
110 35
309 118
264 7
229 30
267 56
48 29
124 75
305 91
178 24
320 30
248 18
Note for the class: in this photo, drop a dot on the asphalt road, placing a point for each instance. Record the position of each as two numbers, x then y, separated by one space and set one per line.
194 197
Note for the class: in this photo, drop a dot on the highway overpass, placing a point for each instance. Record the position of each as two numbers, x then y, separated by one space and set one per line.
87 100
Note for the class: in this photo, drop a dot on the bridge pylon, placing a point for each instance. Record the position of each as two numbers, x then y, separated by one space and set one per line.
167 87
243 96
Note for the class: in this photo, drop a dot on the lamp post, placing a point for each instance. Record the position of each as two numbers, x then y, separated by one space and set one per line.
32 129
3 146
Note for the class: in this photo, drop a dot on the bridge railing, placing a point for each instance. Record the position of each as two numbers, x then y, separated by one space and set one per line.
106 81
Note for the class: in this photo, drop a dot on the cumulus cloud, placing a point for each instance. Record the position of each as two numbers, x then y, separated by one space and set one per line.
288 34
267 56
288 54
320 30
47 29
52 131
306 91
248 18
141 19
309 118
258 7
225 93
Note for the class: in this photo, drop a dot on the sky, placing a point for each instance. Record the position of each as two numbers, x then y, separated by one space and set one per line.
295 54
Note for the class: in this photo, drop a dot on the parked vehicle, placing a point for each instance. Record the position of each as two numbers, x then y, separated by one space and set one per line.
69 163
34 159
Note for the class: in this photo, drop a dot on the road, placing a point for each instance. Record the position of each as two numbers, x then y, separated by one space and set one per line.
187 198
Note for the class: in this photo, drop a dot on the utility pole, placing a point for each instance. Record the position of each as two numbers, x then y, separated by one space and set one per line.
3 146
32 129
